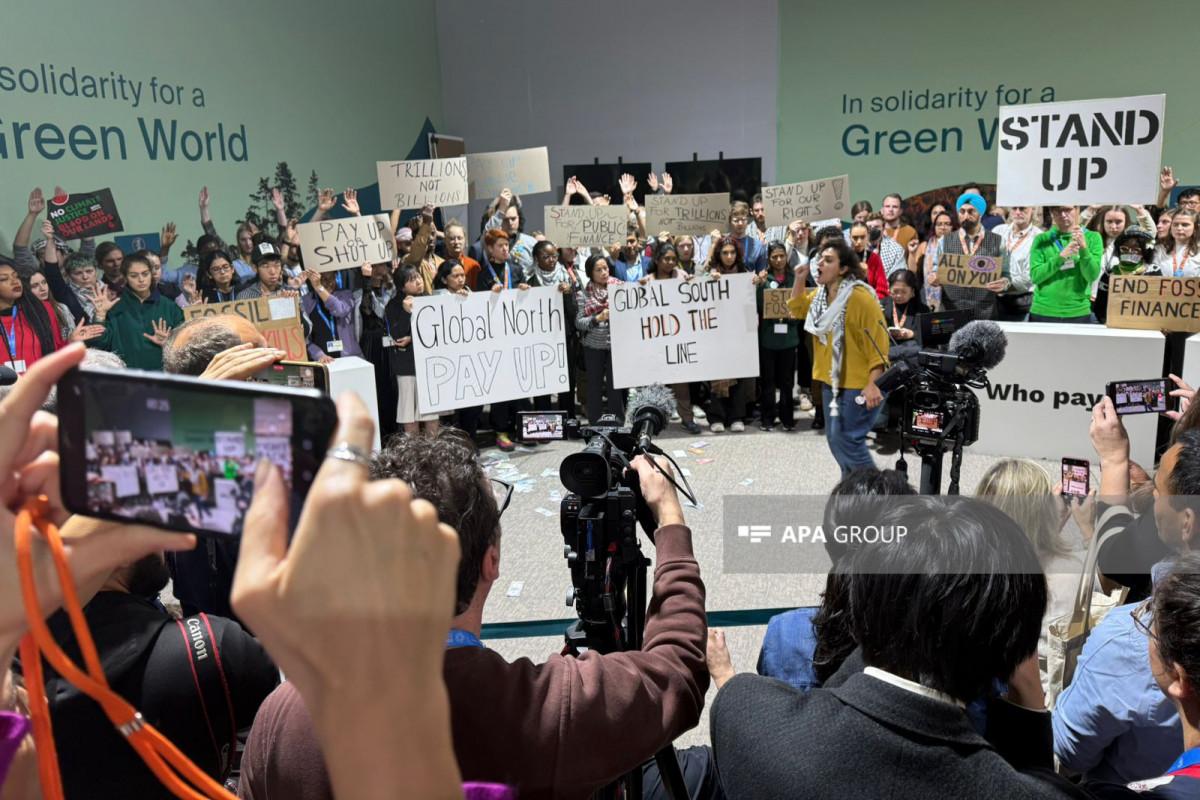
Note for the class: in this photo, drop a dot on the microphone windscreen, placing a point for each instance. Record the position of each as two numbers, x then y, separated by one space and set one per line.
981 342
655 400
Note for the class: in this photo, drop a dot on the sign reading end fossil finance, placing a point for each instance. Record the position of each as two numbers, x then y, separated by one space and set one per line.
347 243
412 184
822 198
276 318
488 347
1154 303
523 171
680 331
1080 153
586 226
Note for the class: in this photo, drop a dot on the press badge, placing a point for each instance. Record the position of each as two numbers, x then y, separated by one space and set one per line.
17 366
1068 264
334 346
781 327
387 341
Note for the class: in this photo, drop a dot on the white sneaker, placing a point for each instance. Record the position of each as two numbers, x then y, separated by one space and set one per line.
737 427
805 403
676 418
698 412
717 427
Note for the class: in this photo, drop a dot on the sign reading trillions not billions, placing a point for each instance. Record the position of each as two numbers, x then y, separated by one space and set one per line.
681 331
488 347
412 184
1080 153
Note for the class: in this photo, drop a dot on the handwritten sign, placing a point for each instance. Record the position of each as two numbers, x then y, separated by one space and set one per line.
972 272
808 200
523 171
691 214
1154 303
1080 153
678 331
775 304
348 243
276 318
488 347
161 479
78 216
586 226
412 184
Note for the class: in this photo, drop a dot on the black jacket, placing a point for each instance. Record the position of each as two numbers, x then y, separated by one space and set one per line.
867 738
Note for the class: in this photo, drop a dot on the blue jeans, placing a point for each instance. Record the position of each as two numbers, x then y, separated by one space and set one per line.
847 432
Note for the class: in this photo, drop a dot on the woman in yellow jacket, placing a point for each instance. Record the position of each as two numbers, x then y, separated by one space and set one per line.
850 343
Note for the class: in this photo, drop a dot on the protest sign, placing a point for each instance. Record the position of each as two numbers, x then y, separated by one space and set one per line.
229 444
488 347
775 304
522 171
161 479
78 216
1080 153
139 241
691 214
808 200
412 184
973 272
1154 303
124 479
680 331
276 318
586 226
347 243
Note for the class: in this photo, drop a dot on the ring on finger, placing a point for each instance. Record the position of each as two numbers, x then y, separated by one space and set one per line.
344 451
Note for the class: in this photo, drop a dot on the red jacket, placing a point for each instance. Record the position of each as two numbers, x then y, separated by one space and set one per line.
876 277
28 348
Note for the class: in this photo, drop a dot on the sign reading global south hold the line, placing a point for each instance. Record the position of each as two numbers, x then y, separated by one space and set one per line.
78 216
412 184
1080 153
683 331
488 347
347 243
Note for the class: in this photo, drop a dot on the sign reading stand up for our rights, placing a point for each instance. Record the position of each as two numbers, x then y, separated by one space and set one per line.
1080 153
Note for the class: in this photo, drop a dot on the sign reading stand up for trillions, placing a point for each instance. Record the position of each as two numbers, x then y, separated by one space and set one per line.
1080 153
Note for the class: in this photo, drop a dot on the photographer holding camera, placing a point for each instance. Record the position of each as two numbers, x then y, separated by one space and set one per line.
562 728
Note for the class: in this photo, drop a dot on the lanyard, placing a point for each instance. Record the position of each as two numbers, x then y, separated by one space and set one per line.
10 337
899 320
1011 245
1190 758
1176 269
461 638
962 239
329 320
495 277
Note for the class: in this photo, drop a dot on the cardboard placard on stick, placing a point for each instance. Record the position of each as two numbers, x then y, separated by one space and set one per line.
276 318
775 304
347 243
1154 303
971 272
690 214
412 184
78 216
587 226
1082 152
523 171
822 198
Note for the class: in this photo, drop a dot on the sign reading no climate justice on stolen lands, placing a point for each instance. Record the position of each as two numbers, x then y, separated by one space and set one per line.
681 331
822 198
488 347
690 214
1154 303
333 244
586 226
974 272
412 184
276 318
1080 153
78 216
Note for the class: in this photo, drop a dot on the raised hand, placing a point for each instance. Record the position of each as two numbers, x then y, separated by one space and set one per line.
652 182
37 202
203 198
504 199
277 199
326 200
160 332
48 231
167 236
367 270
292 234
427 214
103 301
189 288
350 205
84 333
241 361
668 183
627 183
572 186
1166 179
407 303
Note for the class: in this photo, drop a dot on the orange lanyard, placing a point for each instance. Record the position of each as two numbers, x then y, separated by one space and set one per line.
962 239
899 320
1176 269
1011 245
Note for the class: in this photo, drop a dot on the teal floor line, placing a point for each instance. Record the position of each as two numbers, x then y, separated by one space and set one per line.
554 627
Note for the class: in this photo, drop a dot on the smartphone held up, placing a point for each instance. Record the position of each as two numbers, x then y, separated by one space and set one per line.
180 453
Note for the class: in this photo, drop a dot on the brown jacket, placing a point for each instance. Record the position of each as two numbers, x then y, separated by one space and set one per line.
561 728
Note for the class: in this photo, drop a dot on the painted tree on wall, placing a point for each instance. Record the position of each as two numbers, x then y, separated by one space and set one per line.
261 211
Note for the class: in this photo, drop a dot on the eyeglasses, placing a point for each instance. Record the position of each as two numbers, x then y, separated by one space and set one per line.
503 493
223 268
1142 619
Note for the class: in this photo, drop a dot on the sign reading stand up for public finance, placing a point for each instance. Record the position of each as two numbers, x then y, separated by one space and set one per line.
1080 153
683 331
488 347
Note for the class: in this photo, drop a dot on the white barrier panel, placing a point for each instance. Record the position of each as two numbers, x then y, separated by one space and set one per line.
1191 362
1040 401
353 374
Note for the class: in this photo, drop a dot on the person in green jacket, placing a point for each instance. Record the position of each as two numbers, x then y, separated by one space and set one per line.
137 324
777 343
1064 263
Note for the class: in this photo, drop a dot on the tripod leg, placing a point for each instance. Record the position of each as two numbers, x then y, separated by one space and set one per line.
671 774
931 473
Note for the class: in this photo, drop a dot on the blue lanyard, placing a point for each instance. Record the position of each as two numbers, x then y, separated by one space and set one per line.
330 321
461 638
11 336
1190 758
496 278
